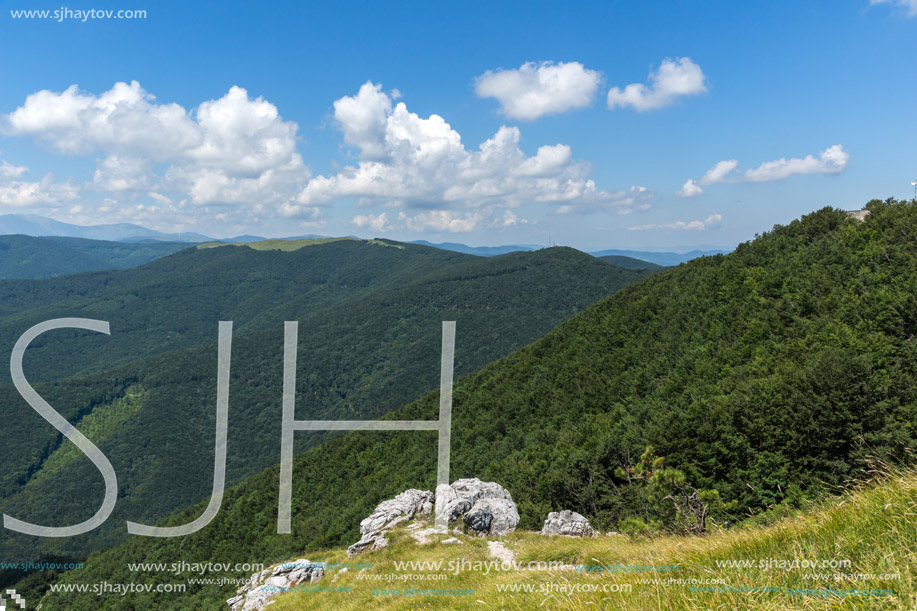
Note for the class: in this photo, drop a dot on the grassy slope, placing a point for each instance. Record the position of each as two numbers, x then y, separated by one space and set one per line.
874 527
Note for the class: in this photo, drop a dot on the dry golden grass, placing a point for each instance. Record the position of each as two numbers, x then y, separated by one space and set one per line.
874 526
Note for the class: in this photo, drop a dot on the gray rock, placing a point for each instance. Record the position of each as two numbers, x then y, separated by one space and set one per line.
485 507
262 587
567 523
387 514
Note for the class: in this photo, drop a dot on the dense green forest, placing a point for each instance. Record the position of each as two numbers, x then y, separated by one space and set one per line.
629 262
762 376
24 256
176 301
369 343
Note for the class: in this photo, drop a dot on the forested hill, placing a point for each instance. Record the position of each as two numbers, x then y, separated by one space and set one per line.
23 256
766 374
370 331
176 301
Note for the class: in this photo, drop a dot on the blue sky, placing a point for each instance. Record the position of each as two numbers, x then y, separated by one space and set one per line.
603 125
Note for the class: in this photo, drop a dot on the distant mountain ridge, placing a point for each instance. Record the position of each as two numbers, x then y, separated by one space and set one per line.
34 225
483 251
665 259
662 258
38 226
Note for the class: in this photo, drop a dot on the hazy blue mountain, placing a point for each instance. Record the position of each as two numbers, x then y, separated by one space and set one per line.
483 251
659 258
34 225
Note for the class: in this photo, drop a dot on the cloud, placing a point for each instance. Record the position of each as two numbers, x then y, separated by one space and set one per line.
625 202
689 189
116 173
18 193
832 160
159 198
409 161
711 222
378 223
719 172
673 80
910 5
509 220
442 221
535 90
8 170
233 151
46 193
439 221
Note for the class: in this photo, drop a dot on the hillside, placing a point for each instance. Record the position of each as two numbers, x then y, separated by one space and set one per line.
175 302
28 257
359 357
764 377
629 262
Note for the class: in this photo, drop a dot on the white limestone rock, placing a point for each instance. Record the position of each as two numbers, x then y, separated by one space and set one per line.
567 523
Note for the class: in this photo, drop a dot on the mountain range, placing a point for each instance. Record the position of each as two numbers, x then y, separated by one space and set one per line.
36 259
370 314
764 377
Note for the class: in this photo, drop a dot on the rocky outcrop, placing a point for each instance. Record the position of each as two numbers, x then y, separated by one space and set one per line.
568 523
263 586
388 514
486 508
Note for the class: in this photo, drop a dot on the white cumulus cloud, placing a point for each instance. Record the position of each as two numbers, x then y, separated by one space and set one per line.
8 170
377 223
409 161
689 189
711 222
442 221
832 160
719 172
234 151
674 79
18 193
534 90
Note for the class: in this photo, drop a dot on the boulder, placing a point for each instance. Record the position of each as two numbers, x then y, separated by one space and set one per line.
388 514
568 523
263 586
486 508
